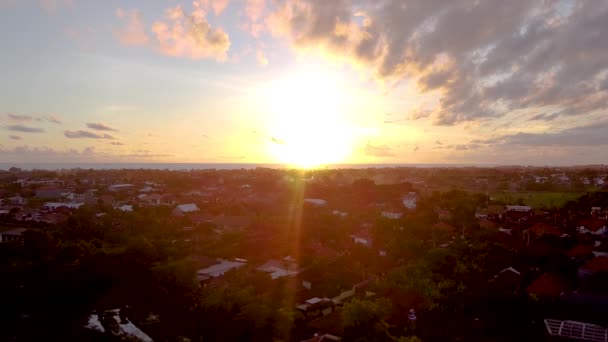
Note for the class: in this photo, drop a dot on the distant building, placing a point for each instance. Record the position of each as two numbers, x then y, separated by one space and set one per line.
362 237
280 268
517 212
50 193
218 270
12 235
393 215
52 206
120 187
185 209
316 201
410 200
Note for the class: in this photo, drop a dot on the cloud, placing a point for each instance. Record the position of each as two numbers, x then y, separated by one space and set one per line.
191 35
147 155
254 9
83 37
100 127
116 143
24 129
134 31
378 150
588 135
219 6
483 59
53 119
86 135
20 118
15 137
50 6
261 58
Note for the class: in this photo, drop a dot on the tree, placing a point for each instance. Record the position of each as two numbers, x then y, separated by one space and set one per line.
363 320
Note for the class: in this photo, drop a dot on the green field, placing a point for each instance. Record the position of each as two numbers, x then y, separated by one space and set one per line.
537 200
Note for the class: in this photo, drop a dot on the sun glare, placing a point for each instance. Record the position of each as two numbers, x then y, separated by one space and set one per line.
309 127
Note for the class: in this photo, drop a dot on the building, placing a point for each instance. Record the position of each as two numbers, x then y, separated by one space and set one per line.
120 187
218 270
12 235
316 201
231 223
52 206
518 212
393 215
410 200
183 209
362 237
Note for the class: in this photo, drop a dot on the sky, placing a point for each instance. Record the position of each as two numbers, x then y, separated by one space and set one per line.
304 82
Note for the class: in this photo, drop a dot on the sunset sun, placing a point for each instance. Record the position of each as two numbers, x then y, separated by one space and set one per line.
309 127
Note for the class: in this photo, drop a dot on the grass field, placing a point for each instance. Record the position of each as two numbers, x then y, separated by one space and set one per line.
536 200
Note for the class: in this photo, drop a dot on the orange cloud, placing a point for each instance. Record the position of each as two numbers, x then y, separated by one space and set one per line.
134 32
219 6
191 35
254 9
260 56
51 5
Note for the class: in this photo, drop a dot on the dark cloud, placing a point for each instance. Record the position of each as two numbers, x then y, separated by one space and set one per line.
116 143
86 135
20 118
487 58
100 127
589 135
53 119
378 150
15 137
24 129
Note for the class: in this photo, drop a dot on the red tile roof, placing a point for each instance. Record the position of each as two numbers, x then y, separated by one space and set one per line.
597 264
593 224
580 251
548 284
544 228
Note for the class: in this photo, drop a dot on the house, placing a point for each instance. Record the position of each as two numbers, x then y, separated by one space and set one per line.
593 275
49 193
505 284
392 215
544 228
443 214
593 226
363 237
126 208
17 201
218 269
168 200
53 206
316 201
316 307
409 201
183 209
518 212
549 285
12 235
331 326
120 187
153 199
495 212
118 324
280 268
231 223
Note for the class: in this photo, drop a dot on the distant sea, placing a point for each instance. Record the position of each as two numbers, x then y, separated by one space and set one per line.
205 166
